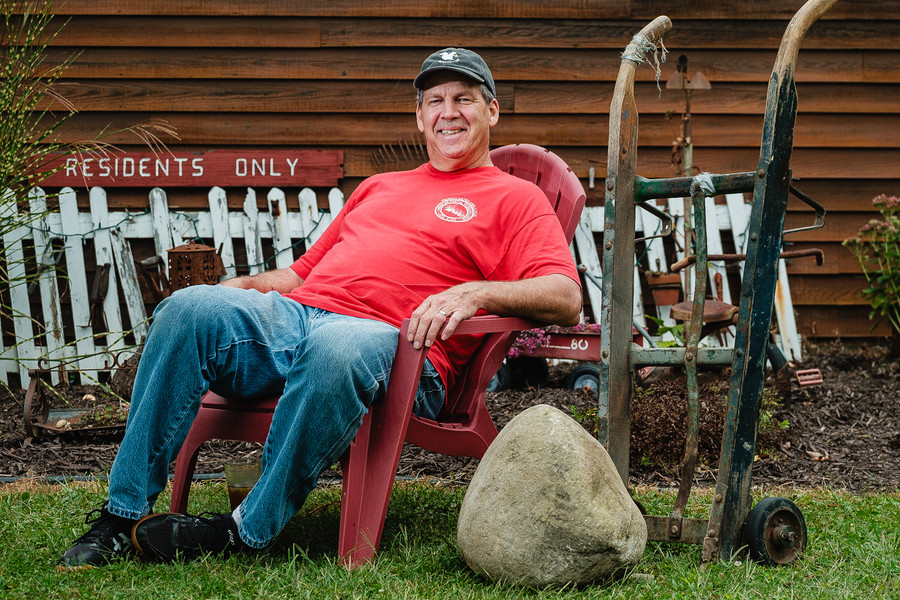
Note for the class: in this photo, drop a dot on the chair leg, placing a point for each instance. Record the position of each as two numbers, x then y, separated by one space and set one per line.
356 541
214 423
371 464
184 472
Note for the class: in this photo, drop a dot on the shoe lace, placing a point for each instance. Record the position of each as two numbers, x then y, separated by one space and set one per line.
102 524
219 533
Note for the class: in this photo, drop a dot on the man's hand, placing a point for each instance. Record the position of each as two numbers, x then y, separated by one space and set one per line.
278 280
445 310
551 298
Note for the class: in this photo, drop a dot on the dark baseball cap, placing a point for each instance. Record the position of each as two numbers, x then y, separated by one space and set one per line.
459 60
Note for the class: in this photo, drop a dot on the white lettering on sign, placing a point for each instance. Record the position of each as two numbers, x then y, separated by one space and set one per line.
216 167
577 344
127 166
263 167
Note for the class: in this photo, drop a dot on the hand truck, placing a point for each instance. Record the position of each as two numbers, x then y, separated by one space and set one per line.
774 530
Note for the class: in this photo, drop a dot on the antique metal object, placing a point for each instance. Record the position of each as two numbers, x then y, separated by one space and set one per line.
192 264
778 526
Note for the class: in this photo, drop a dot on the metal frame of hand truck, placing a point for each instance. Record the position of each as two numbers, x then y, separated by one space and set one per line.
776 533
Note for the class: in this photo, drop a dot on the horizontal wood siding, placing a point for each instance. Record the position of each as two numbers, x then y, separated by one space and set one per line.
336 75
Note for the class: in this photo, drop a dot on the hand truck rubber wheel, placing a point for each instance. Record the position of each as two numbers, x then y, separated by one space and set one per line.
775 532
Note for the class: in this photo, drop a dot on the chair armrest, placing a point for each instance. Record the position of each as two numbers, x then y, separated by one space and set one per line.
495 324
485 324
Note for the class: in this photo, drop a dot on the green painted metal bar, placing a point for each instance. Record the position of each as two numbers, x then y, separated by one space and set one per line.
642 357
675 187
770 195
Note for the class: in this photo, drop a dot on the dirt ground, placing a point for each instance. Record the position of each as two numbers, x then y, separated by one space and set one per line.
843 433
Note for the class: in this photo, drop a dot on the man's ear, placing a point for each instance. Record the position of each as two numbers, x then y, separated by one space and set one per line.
419 122
494 108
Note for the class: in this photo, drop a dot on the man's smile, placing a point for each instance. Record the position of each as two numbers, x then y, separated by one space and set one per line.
451 130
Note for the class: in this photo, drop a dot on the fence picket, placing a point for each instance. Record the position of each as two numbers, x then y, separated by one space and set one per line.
676 209
657 262
218 212
47 259
714 246
587 256
134 301
103 253
252 241
637 299
281 234
788 338
77 281
309 215
335 202
739 215
23 351
163 228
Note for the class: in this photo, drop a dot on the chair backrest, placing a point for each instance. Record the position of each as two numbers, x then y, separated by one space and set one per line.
567 196
550 173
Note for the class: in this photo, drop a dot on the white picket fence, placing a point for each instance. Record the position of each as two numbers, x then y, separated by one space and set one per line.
88 346
289 224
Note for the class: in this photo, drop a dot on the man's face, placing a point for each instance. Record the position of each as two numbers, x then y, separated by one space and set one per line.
456 122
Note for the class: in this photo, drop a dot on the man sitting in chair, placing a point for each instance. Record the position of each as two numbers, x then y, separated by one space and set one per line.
440 243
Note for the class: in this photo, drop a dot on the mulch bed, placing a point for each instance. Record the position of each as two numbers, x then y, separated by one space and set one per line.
844 433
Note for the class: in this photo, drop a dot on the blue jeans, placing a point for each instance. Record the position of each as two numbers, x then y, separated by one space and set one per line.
250 345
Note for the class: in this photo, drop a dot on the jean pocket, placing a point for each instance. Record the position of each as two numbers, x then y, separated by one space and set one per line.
430 395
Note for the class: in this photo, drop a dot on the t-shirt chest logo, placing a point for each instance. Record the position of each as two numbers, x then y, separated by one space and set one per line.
455 210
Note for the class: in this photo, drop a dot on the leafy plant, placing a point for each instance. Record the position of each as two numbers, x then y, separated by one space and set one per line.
33 110
33 105
877 249
770 403
677 332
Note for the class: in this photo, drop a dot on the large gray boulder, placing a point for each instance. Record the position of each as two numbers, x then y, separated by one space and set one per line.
546 506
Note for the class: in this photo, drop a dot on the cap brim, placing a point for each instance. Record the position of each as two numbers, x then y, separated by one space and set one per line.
419 81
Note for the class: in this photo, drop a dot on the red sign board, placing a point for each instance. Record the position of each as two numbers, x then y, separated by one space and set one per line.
205 169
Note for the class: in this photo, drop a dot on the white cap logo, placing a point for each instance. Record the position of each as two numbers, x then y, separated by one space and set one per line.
451 56
455 210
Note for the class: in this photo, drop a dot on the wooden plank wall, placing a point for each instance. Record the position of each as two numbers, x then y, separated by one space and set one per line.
323 74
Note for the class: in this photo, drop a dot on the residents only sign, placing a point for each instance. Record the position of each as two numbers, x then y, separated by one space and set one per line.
206 169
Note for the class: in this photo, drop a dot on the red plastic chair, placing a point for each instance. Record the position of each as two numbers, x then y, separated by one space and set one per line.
464 427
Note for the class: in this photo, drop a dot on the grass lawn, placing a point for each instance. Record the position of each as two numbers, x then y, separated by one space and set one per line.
854 552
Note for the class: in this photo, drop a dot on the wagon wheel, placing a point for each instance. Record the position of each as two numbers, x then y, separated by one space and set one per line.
775 532
585 377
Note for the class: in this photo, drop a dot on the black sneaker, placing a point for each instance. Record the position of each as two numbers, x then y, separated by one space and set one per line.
109 537
165 537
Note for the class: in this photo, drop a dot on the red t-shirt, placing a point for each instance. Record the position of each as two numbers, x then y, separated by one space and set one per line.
404 236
